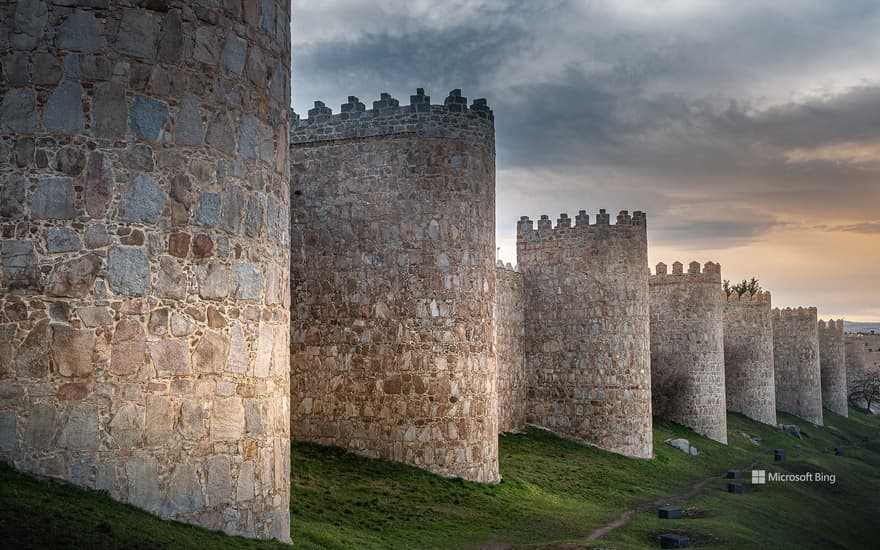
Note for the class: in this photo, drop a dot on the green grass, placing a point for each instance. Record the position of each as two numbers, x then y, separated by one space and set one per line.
554 492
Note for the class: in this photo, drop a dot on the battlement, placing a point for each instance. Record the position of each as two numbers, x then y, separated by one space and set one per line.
710 273
831 325
760 297
526 231
454 118
507 266
794 313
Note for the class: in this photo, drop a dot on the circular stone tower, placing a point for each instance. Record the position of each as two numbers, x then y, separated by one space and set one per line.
587 348
748 356
143 299
832 363
393 262
687 348
796 364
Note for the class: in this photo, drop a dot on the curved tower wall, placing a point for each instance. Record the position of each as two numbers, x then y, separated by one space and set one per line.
796 363
687 348
832 362
143 299
586 316
855 354
393 273
748 357
510 348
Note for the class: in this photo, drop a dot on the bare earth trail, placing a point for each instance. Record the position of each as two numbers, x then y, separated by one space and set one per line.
627 515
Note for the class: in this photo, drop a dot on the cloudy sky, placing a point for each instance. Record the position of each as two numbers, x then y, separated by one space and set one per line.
748 131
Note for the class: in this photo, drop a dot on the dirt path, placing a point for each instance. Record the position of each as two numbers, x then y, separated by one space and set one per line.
626 516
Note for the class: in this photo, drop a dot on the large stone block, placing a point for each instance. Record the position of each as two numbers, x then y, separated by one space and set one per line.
62 239
53 199
80 32
63 113
80 431
72 350
74 278
143 483
18 111
148 117
211 353
42 426
108 105
127 426
32 358
172 280
185 493
213 281
19 264
129 348
219 480
193 420
28 24
128 271
12 196
247 281
8 433
159 425
227 421
170 357
143 202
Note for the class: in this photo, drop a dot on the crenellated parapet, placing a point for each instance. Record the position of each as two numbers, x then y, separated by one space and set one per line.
832 360
687 347
708 273
760 297
796 362
526 229
454 118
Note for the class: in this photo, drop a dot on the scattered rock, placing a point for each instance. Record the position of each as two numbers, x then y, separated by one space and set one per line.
792 429
683 445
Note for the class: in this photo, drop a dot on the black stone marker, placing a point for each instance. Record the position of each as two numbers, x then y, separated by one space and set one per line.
736 488
669 512
838 451
733 474
779 455
674 541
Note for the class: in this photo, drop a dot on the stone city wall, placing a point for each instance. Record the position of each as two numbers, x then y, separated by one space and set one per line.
144 295
832 362
749 381
510 348
796 363
392 336
586 315
687 347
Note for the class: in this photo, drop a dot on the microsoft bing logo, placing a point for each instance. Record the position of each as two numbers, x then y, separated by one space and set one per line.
759 477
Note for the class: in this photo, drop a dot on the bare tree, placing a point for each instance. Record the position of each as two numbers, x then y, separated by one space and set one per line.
865 391
750 286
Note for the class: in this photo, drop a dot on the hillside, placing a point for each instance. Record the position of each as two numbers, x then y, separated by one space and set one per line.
554 492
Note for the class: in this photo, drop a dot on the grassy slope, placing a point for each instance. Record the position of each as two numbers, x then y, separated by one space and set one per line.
554 492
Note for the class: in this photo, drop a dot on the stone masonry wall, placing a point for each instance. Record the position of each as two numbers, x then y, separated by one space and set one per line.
862 355
687 348
394 283
832 362
749 381
586 316
855 355
510 348
796 363
144 292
